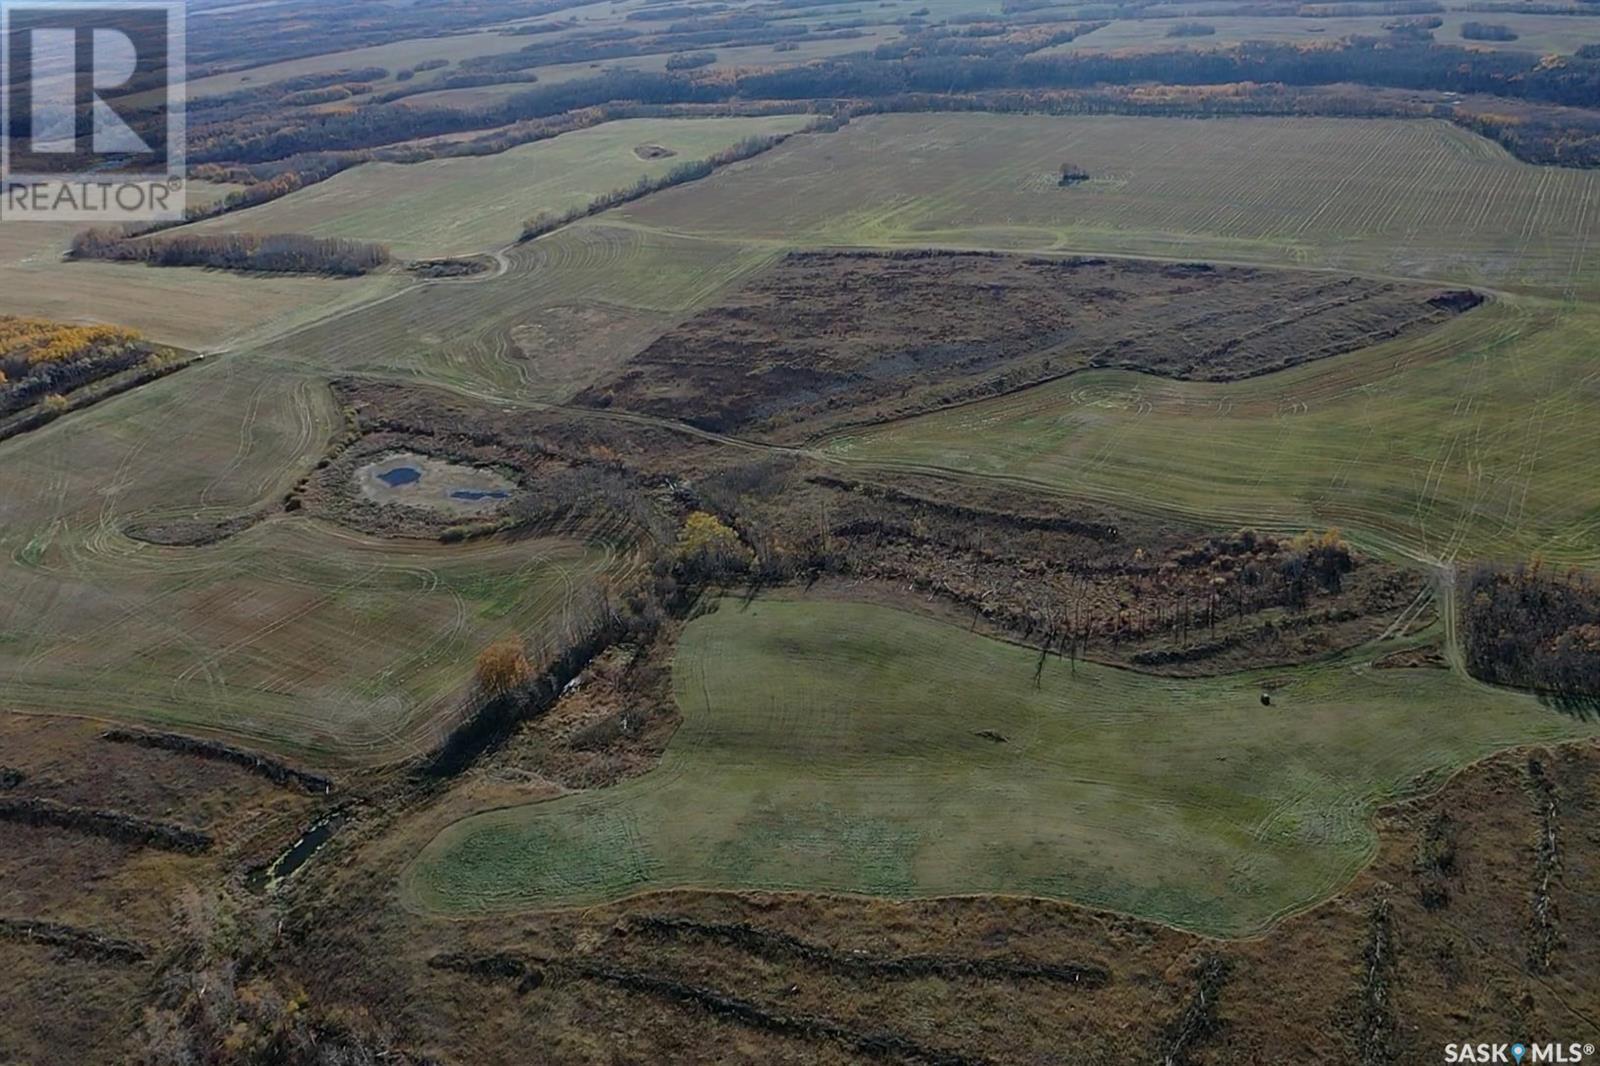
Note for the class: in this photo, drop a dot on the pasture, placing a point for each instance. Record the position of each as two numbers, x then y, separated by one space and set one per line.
1418 199
1468 439
474 204
838 747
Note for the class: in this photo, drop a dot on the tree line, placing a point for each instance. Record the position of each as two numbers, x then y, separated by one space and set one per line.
1395 61
280 253
550 221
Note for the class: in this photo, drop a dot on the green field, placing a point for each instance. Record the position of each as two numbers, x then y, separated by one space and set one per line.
475 204
1411 198
1475 441
833 746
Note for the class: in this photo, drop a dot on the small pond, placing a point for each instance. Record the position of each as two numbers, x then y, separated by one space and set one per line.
416 480
400 475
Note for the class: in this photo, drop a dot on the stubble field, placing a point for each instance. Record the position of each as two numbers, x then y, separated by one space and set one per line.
1417 199
479 203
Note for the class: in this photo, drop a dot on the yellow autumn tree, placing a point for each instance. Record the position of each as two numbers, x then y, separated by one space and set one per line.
707 545
503 666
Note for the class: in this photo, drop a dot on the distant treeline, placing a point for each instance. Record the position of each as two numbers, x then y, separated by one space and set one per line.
1396 61
1531 630
283 253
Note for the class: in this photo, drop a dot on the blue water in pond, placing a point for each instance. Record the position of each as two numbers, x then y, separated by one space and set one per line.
478 494
400 475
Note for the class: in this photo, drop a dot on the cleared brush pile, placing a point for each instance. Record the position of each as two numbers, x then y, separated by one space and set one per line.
526 975
113 825
776 945
272 769
1083 582
835 337
72 941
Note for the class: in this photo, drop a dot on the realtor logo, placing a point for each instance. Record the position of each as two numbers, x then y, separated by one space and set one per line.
92 103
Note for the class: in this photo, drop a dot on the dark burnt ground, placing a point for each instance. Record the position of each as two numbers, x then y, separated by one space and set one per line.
803 978
830 337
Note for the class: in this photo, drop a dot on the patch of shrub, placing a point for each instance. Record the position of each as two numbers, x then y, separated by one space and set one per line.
691 60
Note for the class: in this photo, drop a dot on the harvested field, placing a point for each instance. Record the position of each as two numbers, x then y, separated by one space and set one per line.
1417 199
826 337
446 207
184 306
831 746
292 636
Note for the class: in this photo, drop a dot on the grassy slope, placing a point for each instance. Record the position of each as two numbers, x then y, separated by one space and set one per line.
455 206
833 746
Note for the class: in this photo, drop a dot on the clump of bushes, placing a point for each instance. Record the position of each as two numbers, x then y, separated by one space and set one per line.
502 667
691 60
1191 29
1487 31
709 548
42 363
1532 630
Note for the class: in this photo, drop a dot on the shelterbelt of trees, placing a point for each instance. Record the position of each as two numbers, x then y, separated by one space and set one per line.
43 364
282 253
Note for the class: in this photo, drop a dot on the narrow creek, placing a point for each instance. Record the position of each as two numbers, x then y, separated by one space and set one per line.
268 878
